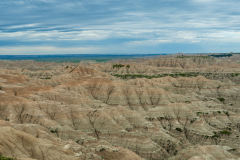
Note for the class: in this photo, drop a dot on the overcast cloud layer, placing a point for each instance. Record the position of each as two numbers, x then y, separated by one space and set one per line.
119 26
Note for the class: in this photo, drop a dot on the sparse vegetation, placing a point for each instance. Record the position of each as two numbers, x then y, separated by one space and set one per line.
54 131
225 132
177 75
118 66
221 100
194 57
226 112
233 149
198 113
179 129
46 78
6 158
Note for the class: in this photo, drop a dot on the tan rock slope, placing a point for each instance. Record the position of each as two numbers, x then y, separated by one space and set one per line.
71 111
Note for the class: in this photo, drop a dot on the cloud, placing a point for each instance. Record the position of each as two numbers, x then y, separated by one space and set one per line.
204 1
26 50
106 23
54 35
21 26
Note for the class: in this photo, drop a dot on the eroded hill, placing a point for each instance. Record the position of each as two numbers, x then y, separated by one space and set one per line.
164 108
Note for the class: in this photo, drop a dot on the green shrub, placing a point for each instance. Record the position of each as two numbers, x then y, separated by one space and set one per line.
46 78
225 132
221 99
215 136
118 66
226 113
54 131
179 129
206 136
199 113
193 57
175 75
6 158
193 120
102 149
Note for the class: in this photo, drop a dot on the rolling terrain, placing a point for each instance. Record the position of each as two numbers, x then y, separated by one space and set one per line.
168 107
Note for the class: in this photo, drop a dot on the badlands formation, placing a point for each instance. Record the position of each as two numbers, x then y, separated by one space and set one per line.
166 108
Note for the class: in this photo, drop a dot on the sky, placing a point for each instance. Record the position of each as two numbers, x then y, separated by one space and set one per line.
30 27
